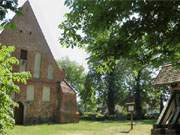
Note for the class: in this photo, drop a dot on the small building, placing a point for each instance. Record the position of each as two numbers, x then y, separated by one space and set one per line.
47 97
168 122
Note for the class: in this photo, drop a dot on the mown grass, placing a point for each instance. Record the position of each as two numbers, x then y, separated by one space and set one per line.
86 128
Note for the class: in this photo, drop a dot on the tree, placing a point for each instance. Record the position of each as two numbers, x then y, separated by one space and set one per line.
74 73
126 79
7 5
113 29
118 28
8 80
88 95
110 78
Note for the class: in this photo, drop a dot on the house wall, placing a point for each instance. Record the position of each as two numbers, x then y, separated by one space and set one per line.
28 36
68 110
37 110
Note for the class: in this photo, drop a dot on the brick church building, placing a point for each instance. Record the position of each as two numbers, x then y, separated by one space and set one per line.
47 97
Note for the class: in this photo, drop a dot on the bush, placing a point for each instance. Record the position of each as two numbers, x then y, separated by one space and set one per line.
152 115
8 87
94 116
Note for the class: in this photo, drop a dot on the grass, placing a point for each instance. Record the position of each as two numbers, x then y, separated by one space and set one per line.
86 128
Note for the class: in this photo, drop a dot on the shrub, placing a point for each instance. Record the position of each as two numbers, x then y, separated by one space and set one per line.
8 87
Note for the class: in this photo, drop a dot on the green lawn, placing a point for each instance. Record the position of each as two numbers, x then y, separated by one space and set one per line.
85 128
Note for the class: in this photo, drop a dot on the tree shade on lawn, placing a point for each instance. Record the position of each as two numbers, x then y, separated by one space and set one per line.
86 128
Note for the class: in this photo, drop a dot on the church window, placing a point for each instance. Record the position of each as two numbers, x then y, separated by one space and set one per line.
37 65
30 93
50 72
46 94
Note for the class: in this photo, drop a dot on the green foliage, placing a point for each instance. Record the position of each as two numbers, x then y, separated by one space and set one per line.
95 116
74 73
121 83
130 29
6 5
88 96
92 116
8 80
7 76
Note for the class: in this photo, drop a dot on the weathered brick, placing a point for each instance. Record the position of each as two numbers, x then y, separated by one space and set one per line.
62 106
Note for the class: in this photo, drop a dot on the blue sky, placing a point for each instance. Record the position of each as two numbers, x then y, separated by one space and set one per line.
49 14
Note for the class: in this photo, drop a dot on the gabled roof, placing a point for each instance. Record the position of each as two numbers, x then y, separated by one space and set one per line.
167 75
67 88
28 34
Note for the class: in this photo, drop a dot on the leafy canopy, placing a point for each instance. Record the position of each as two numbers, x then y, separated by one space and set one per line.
6 5
130 29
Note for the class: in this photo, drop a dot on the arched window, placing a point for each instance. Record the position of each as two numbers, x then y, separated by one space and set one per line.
37 65
50 72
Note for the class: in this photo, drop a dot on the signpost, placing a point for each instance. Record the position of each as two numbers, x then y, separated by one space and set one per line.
130 108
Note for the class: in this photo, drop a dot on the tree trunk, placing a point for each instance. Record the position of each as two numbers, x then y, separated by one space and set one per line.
111 94
138 100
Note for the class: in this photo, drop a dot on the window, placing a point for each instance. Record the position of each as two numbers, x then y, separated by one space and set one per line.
30 93
23 60
50 72
23 55
22 65
46 94
37 65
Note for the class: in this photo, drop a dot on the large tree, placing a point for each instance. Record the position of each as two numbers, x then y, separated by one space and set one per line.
143 31
117 28
118 85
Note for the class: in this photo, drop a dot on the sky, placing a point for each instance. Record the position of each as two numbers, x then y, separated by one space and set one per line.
50 13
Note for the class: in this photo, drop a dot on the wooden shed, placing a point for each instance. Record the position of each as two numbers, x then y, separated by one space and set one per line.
168 122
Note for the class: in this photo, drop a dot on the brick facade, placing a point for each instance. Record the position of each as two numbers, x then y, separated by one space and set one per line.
59 103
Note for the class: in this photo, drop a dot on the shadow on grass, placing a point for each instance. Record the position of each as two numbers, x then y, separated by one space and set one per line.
126 132
114 121
148 122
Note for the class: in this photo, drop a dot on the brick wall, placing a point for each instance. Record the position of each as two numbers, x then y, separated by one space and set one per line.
28 36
